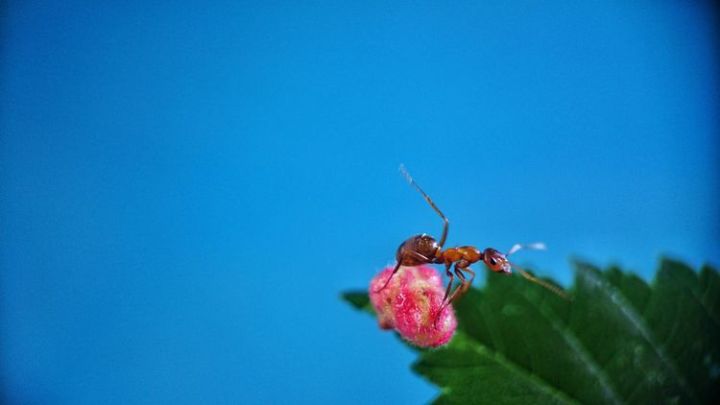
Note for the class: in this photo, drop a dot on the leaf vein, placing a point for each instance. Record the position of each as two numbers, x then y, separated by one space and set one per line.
581 351
636 321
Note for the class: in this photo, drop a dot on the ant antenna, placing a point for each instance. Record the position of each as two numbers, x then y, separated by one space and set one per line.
541 283
531 246
530 277
413 183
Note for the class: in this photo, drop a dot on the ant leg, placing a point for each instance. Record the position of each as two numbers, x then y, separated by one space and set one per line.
469 283
413 183
450 283
458 290
395 270
415 255
445 302
461 288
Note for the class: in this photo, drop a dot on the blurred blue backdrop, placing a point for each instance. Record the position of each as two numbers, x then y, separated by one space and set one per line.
187 188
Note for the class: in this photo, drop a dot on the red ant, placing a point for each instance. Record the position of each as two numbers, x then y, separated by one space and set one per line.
424 249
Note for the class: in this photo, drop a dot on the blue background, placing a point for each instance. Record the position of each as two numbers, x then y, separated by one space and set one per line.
187 188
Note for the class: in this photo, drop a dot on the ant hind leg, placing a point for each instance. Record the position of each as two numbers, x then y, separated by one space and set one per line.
412 257
395 270
427 198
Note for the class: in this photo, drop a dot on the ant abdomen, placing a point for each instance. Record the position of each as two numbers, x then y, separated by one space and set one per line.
419 249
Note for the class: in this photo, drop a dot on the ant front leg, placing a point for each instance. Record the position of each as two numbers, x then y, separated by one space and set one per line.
464 283
466 286
459 290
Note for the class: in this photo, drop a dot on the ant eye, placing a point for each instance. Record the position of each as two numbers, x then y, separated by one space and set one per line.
493 261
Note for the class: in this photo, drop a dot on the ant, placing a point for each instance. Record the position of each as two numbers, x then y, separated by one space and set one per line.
424 249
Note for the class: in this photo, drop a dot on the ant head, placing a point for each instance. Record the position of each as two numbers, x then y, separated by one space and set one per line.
496 261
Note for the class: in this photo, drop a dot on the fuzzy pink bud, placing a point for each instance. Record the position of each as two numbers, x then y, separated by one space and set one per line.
410 304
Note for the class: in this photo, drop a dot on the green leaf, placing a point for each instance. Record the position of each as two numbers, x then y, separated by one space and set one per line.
358 299
620 340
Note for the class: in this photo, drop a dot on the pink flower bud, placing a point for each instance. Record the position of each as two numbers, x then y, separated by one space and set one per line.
410 304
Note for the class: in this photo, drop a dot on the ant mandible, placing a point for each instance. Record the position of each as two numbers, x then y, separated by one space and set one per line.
424 249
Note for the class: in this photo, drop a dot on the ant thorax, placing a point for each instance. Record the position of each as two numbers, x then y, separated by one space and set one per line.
468 254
